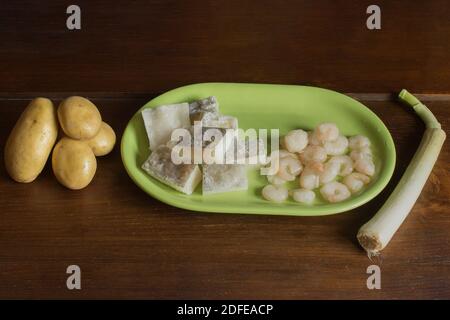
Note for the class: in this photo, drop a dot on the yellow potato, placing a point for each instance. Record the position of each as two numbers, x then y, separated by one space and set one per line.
104 141
31 141
79 118
73 163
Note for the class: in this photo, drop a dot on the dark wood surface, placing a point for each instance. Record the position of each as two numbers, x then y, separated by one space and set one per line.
153 46
130 245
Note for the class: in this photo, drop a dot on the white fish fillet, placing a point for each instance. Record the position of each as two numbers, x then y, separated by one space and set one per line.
161 121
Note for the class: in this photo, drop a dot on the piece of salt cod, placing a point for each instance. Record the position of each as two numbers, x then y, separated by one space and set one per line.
218 178
252 152
161 121
207 111
212 144
222 121
182 177
204 109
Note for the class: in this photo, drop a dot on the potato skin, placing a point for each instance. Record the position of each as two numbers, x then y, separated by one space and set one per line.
104 141
79 118
31 141
74 164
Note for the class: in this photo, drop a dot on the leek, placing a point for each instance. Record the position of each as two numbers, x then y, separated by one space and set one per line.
376 234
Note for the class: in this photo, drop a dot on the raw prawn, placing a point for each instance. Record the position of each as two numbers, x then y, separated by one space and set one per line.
355 181
358 142
336 147
335 192
345 164
312 139
309 179
303 195
329 172
365 166
275 180
295 140
313 154
326 132
275 193
361 153
289 168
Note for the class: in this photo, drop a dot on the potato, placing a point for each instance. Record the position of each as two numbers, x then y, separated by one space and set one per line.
104 141
31 141
74 164
79 118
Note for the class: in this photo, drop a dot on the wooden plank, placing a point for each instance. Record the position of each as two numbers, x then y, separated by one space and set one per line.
152 46
130 245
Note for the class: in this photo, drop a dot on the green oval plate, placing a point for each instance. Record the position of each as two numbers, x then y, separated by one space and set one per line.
285 107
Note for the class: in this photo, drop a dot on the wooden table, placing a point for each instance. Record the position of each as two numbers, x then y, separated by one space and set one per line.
129 245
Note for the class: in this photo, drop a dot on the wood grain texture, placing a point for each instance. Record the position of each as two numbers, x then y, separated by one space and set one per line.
130 245
152 46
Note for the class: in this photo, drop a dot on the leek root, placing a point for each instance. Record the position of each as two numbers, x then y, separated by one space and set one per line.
376 234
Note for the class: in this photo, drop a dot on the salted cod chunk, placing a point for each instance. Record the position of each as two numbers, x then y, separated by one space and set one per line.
251 152
207 111
182 177
161 121
218 178
204 109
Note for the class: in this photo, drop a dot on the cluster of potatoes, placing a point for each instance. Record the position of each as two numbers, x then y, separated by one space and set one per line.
83 136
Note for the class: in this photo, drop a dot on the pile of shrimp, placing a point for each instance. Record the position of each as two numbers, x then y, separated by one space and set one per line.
323 160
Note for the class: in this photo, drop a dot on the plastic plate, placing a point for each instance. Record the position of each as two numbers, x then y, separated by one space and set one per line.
283 107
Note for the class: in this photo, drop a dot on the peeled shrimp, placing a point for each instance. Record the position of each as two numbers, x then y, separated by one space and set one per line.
296 140
303 195
326 132
330 172
336 147
273 161
345 164
309 179
335 192
275 180
365 166
283 154
316 166
289 168
358 142
313 154
364 152
312 139
355 181
275 193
